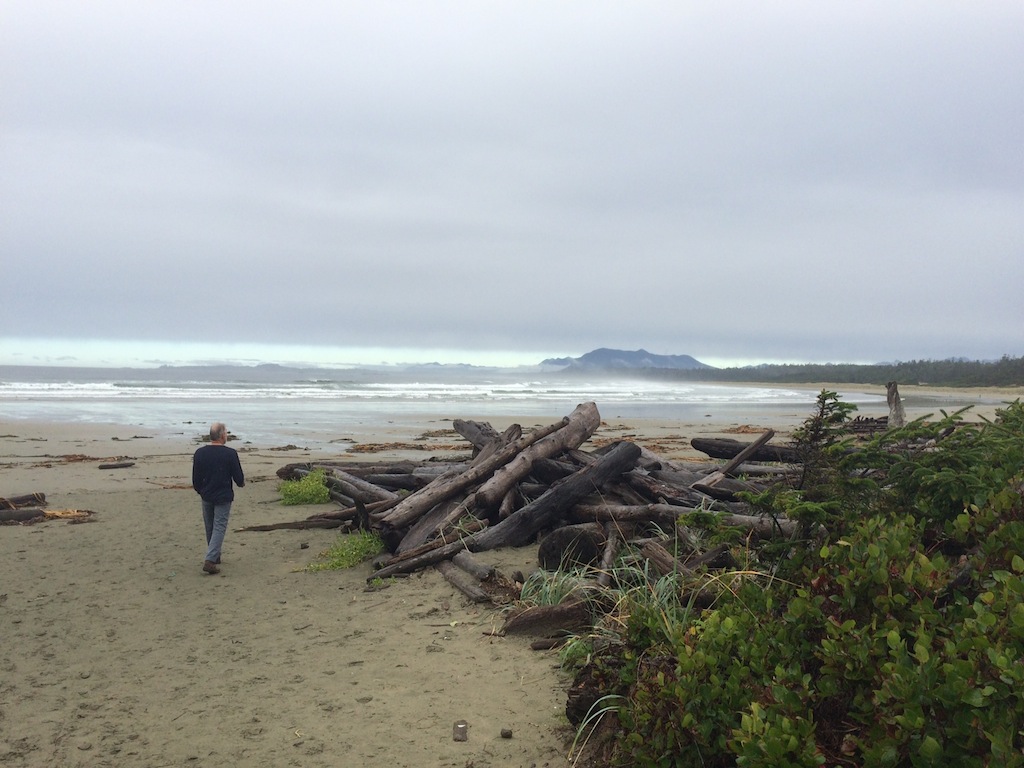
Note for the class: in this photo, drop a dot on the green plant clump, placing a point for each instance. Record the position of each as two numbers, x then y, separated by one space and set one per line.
348 551
892 635
310 489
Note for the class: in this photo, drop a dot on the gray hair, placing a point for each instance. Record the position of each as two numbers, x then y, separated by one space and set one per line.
218 431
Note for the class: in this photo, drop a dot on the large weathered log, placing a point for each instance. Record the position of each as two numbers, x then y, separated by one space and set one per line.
551 470
21 515
523 524
661 560
296 525
727 448
429 524
547 620
582 458
663 514
460 523
425 553
363 470
651 461
583 422
727 488
655 490
668 514
569 546
472 566
386 474
481 435
681 478
288 471
897 415
621 492
731 465
462 581
350 511
27 500
509 503
354 487
340 498
397 482
428 554
478 433
509 436
449 484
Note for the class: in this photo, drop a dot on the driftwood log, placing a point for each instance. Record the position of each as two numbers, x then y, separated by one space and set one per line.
707 484
27 500
21 515
355 488
547 620
727 448
484 438
572 546
897 415
462 581
21 509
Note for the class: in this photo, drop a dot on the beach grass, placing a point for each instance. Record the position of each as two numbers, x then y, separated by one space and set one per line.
348 551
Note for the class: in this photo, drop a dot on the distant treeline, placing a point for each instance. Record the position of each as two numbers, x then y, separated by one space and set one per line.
1006 372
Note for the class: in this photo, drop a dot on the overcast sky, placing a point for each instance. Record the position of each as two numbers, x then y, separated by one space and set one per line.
749 182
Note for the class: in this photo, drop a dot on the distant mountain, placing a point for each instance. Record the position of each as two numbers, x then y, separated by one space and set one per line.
618 360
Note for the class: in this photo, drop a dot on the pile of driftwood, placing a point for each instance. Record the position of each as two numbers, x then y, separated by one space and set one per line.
517 488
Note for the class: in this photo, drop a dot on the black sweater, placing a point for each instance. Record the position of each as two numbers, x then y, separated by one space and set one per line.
213 468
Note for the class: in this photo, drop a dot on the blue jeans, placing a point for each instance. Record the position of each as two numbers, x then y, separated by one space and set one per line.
215 517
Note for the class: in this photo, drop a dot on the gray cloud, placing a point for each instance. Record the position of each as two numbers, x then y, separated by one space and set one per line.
792 182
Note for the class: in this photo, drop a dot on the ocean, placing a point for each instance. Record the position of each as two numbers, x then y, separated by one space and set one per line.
274 405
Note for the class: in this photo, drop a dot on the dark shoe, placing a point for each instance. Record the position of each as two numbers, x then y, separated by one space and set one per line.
217 561
210 567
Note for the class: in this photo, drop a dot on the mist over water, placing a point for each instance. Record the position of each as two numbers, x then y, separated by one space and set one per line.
273 405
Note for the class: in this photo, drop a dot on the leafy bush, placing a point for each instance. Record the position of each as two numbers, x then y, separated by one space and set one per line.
895 638
310 489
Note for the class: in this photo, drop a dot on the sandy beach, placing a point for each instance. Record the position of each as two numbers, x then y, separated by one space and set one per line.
116 650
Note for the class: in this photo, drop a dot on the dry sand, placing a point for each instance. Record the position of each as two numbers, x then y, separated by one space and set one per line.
116 650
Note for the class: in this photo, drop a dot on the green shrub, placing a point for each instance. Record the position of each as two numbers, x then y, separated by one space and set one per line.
896 637
348 551
310 489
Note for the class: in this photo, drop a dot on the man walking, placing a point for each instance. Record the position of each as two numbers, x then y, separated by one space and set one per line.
214 468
